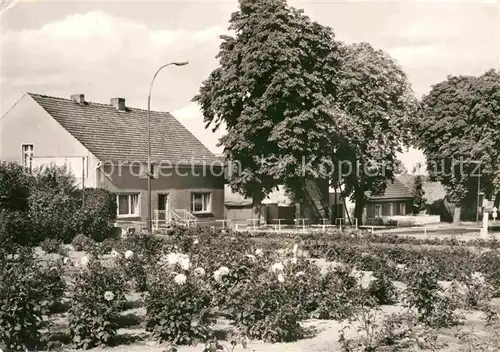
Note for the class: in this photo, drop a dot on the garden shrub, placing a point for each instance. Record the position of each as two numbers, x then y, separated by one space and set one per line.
478 292
15 226
82 243
14 187
96 295
178 305
266 313
53 205
134 269
106 246
339 295
50 245
393 333
426 296
146 251
23 299
50 277
382 290
97 218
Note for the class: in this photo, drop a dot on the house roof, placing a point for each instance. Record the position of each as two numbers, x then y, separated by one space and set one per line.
433 191
394 190
114 136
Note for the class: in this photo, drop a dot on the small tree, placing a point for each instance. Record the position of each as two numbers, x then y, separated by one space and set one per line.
14 193
418 192
53 204
14 187
97 217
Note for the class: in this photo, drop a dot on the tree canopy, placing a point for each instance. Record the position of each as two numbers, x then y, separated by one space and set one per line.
296 103
274 91
375 93
459 129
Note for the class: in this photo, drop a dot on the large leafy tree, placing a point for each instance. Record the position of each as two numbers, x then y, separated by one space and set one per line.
375 93
459 131
274 91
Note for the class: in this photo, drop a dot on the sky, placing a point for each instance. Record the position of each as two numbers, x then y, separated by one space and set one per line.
111 48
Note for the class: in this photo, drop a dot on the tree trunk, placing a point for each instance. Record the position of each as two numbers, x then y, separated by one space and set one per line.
334 220
457 213
298 212
346 212
359 197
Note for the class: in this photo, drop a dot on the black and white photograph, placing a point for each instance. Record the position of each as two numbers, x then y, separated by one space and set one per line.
249 175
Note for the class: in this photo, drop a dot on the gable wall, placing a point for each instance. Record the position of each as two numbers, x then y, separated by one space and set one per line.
28 123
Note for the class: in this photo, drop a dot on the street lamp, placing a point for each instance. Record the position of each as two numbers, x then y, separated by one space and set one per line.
149 172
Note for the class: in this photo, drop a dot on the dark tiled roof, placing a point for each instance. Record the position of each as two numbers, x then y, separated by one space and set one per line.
394 190
433 191
113 135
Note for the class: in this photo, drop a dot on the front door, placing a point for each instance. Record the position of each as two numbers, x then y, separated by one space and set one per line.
163 207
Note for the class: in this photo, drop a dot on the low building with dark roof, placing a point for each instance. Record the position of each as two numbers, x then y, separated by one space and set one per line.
106 146
397 200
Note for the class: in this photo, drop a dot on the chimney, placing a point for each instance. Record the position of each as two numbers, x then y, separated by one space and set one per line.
118 103
78 98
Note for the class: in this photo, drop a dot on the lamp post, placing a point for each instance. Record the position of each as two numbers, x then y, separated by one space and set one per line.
149 172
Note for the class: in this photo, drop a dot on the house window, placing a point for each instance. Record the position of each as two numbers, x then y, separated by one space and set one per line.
378 210
200 202
27 161
402 209
127 204
391 209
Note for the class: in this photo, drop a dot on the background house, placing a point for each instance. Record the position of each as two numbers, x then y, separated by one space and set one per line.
437 203
337 207
397 200
105 145
278 206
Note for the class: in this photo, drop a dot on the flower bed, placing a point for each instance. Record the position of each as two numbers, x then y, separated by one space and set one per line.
264 287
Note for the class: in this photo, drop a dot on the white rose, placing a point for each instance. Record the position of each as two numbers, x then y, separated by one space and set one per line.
172 258
129 255
196 241
84 261
184 263
109 296
281 278
258 252
217 275
180 279
277 267
224 270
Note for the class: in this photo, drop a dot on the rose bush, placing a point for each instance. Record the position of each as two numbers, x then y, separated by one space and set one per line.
96 295
179 302
27 291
